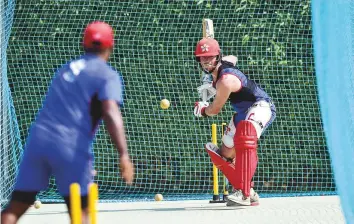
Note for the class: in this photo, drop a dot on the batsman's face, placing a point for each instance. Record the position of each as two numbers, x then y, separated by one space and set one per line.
208 63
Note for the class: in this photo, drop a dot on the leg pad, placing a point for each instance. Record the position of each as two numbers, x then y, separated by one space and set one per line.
227 168
245 142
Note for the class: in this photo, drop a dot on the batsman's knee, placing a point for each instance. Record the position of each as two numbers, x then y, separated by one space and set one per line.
246 136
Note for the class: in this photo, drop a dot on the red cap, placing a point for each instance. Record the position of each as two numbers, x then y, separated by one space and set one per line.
207 47
98 35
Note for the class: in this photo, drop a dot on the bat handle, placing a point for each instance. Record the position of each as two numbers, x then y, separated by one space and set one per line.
205 80
205 95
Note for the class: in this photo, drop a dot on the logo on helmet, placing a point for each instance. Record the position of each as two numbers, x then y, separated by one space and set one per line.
205 48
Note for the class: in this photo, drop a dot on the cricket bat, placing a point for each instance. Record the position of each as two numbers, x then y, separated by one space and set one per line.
208 32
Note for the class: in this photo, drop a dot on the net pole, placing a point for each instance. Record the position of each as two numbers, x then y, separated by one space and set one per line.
215 169
225 182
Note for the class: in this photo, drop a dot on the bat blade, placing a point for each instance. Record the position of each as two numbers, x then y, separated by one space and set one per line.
208 32
208 28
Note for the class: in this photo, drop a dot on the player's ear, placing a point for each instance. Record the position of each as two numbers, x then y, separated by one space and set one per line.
108 52
219 58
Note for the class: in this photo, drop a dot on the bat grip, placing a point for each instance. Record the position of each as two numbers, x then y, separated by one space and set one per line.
205 80
205 95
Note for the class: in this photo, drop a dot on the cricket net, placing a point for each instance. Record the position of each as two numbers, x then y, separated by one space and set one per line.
154 52
333 29
10 142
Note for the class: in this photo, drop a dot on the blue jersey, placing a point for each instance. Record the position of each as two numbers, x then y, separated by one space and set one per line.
249 93
71 111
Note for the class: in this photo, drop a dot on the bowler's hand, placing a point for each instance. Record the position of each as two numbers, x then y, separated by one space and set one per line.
126 169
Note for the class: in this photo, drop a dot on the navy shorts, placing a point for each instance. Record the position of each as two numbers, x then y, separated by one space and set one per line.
44 157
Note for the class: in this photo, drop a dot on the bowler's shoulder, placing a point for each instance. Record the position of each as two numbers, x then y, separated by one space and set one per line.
112 71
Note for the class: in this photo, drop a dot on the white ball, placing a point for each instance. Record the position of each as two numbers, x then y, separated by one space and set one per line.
37 204
165 104
158 197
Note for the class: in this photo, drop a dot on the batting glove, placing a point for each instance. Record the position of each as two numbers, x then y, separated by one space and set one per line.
199 109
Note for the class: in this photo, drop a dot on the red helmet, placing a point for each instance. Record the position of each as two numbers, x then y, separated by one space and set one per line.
98 35
207 47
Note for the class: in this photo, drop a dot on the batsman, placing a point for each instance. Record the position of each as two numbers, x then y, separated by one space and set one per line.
254 112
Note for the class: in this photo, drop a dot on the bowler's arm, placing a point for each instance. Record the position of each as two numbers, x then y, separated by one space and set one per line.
115 127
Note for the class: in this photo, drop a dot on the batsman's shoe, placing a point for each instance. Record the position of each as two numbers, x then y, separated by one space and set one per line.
254 198
237 199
